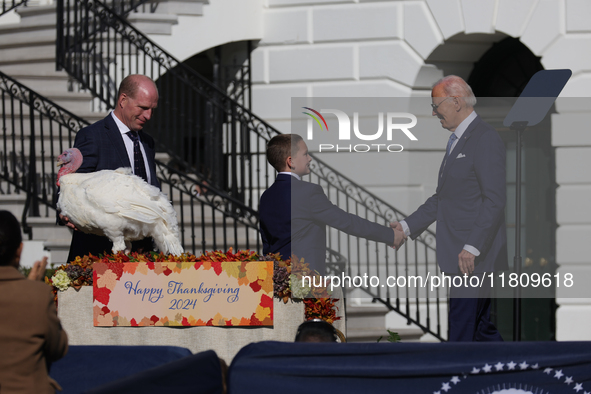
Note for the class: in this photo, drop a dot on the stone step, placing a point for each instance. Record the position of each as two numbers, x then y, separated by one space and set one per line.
45 229
184 213
367 321
75 102
89 116
56 239
158 16
13 107
47 135
372 335
32 41
38 15
13 203
14 44
38 52
428 315
51 148
58 249
177 7
45 16
208 221
47 166
359 317
35 69
41 35
43 83
156 23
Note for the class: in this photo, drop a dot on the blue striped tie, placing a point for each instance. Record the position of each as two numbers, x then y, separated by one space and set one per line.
452 138
139 168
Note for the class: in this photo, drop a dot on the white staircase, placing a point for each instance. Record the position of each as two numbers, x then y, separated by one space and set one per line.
27 54
158 16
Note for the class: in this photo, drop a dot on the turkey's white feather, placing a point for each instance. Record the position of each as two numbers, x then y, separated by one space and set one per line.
121 206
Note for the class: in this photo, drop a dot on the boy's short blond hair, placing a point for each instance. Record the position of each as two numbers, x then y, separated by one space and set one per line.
280 148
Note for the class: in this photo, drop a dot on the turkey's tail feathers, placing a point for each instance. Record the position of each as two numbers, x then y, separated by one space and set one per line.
172 245
167 239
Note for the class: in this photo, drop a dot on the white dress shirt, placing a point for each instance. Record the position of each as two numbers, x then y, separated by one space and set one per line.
123 129
292 174
459 132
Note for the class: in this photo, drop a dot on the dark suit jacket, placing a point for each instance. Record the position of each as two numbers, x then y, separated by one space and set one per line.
31 335
469 203
294 215
102 148
275 217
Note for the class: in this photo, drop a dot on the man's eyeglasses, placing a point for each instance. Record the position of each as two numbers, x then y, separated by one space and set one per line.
437 106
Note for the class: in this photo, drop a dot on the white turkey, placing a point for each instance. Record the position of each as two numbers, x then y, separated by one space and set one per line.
116 204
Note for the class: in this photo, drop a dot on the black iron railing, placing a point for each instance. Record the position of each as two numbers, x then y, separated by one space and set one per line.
198 124
418 305
217 139
9 5
35 131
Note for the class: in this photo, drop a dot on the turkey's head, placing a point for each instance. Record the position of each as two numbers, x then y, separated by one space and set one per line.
70 161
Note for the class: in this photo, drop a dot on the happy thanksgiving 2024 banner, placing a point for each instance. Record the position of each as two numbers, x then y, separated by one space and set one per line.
183 294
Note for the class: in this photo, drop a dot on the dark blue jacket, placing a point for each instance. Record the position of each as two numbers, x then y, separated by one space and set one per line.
294 215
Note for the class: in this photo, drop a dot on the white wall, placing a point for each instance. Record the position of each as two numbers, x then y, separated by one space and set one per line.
223 21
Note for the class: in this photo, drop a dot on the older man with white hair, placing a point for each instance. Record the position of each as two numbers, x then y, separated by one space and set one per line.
468 206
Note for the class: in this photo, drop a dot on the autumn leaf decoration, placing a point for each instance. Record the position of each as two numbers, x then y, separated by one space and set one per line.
318 304
321 308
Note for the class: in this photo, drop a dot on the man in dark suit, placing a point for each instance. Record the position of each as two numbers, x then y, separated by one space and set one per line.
114 142
468 206
294 213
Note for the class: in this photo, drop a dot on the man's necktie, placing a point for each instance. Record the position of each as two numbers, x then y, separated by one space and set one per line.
452 138
139 168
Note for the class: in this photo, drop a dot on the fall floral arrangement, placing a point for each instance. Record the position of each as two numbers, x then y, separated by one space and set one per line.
287 282
76 274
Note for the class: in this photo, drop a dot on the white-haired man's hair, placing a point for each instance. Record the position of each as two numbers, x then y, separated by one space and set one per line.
457 87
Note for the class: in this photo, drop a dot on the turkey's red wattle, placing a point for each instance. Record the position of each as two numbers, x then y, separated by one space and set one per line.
69 166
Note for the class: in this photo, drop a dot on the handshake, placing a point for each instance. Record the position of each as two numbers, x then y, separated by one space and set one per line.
399 236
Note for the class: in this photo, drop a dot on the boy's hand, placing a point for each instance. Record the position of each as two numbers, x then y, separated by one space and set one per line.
397 226
399 238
